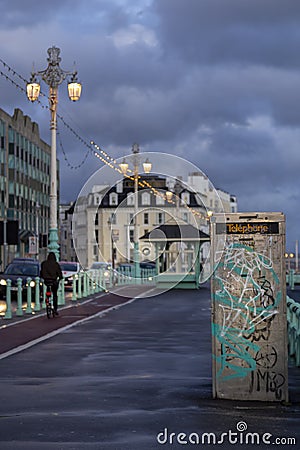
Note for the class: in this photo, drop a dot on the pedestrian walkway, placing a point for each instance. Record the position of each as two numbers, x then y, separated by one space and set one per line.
135 378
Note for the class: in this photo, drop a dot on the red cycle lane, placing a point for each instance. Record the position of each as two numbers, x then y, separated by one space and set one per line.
21 334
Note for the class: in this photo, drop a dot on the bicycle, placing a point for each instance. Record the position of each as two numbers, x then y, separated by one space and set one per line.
49 303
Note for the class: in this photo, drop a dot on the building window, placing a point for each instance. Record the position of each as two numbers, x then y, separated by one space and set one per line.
113 218
130 199
185 198
131 235
146 199
11 201
146 218
113 198
160 218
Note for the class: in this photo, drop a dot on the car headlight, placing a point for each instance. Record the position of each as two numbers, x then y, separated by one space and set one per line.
3 282
31 283
106 274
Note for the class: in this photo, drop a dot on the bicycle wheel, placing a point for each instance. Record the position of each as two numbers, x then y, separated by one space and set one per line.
48 310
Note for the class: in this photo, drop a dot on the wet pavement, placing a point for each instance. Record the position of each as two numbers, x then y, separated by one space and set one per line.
136 377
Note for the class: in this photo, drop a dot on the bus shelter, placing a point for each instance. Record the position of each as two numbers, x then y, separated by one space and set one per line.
177 254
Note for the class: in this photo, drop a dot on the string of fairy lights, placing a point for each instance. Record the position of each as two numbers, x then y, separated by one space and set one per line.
97 151
112 163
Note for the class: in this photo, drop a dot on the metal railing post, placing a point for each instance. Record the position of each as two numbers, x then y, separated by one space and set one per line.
8 312
37 306
75 278
19 311
61 293
80 285
44 296
28 308
84 284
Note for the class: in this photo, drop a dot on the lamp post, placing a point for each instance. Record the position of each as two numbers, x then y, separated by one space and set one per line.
147 166
289 257
109 223
53 76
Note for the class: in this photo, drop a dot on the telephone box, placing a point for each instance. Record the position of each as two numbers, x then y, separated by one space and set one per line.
249 324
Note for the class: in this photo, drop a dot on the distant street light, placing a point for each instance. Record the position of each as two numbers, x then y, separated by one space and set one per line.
53 76
110 223
289 257
147 166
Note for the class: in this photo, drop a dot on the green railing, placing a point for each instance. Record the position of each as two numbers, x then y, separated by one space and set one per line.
293 319
292 278
84 284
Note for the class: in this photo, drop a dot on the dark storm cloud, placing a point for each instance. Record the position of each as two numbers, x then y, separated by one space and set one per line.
242 32
214 81
75 13
19 13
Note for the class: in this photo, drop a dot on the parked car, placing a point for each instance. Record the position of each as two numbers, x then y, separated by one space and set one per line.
147 265
100 265
125 268
23 268
69 269
106 268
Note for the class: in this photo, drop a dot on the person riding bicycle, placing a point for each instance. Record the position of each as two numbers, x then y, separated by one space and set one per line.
52 274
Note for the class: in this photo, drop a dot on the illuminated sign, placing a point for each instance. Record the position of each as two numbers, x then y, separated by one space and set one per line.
248 228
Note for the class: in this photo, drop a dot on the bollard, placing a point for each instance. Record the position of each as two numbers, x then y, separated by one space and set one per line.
60 293
19 311
8 313
293 318
297 336
37 304
92 282
75 278
44 296
28 308
101 278
96 284
80 285
89 285
84 284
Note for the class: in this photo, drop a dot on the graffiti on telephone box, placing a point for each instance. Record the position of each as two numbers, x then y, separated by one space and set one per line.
248 316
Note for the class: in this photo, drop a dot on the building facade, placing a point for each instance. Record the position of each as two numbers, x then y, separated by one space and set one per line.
104 220
67 251
24 182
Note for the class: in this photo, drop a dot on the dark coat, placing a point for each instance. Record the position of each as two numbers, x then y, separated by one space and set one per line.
50 269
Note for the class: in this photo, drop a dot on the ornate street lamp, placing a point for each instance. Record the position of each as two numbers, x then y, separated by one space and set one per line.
147 166
53 76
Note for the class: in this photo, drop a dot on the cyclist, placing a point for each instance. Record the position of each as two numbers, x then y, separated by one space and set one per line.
52 274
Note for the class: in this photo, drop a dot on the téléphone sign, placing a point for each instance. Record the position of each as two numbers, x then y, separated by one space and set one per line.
248 228
249 307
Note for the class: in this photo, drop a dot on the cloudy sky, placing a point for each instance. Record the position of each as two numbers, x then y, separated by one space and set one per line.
216 82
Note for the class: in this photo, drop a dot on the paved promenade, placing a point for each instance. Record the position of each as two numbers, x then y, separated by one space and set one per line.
136 377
